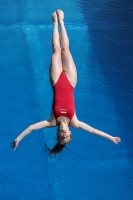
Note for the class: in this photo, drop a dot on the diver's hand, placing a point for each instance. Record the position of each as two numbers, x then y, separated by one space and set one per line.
14 144
116 140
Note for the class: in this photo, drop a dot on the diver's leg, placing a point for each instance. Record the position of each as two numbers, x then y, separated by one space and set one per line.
56 64
67 60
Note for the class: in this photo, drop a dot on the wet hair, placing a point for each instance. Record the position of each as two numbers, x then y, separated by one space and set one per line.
57 149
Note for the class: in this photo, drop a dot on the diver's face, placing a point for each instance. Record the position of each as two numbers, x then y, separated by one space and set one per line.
64 133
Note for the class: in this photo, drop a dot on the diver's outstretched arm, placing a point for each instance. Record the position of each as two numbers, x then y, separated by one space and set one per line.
97 132
36 126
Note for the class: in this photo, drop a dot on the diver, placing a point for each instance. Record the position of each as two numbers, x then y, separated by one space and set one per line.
63 79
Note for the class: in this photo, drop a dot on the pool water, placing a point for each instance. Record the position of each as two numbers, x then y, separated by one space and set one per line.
90 168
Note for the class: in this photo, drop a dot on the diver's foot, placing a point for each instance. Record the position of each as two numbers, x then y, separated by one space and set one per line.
60 15
54 17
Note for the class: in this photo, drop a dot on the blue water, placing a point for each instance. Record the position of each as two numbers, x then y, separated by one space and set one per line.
101 38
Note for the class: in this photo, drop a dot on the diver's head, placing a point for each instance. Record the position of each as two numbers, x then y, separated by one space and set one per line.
63 138
64 134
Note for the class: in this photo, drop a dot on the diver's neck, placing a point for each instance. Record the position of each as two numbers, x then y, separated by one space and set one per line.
63 119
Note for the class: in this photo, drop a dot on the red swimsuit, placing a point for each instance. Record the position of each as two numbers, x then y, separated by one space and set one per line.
63 101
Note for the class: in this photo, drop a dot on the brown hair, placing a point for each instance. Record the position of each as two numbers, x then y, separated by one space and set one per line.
57 149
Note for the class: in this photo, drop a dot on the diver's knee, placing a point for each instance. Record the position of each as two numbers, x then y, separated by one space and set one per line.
56 49
65 52
65 49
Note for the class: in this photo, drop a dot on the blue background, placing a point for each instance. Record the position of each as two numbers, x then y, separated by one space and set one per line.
101 38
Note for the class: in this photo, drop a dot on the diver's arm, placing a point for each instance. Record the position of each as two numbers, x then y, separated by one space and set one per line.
97 132
33 127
